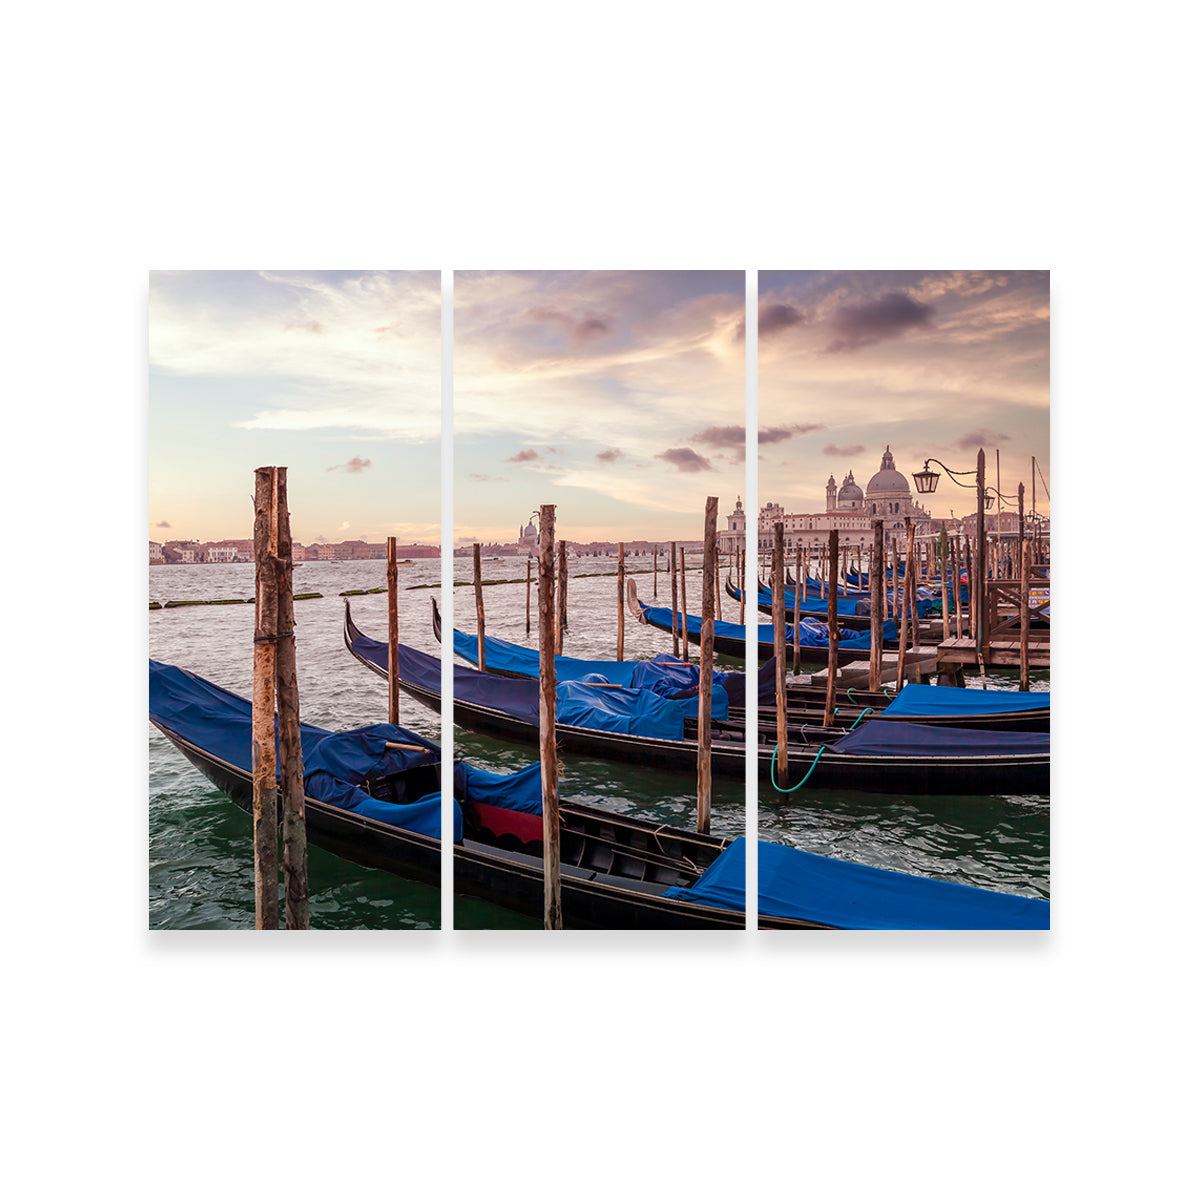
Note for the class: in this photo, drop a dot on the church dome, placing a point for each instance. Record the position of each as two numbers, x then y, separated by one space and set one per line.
849 490
887 478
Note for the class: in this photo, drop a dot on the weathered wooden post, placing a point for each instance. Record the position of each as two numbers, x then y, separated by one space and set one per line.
778 573
265 804
717 581
981 559
393 635
943 570
802 582
620 602
295 839
547 709
704 730
481 652
742 590
674 605
915 627
908 574
528 572
683 602
877 604
831 617
1024 680
562 596
656 570
956 557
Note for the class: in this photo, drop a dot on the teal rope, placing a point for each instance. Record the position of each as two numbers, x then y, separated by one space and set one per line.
788 791
861 715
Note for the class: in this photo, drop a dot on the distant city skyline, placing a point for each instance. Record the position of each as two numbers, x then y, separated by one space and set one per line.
334 374
931 363
618 396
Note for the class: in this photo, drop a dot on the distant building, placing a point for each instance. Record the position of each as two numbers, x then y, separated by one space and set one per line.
156 552
848 509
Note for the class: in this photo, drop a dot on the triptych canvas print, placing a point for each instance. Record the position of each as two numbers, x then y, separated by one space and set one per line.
725 605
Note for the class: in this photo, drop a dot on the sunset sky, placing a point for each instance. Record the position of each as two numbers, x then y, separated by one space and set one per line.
334 374
934 363
617 395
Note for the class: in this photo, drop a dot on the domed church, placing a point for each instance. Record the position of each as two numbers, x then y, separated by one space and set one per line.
848 508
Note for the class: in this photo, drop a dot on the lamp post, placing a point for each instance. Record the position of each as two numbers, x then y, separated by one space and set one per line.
927 481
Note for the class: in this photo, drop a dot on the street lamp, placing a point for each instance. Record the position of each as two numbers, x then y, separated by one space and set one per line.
927 481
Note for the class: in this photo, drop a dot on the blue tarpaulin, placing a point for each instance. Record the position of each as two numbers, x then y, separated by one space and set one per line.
926 700
924 741
827 891
631 710
811 634
663 674
625 710
520 791
219 722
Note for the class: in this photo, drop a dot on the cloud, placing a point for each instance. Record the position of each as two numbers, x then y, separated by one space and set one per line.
524 456
772 319
841 451
307 326
582 327
163 525
609 455
477 478
724 437
354 467
858 325
343 526
775 318
686 460
779 433
981 437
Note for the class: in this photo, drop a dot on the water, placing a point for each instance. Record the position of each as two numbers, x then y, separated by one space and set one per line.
201 857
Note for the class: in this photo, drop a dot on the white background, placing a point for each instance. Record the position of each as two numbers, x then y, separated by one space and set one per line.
626 135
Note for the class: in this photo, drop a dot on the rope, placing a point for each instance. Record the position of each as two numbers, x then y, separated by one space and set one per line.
861 715
788 791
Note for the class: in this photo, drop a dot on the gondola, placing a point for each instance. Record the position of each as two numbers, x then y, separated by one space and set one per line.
380 807
892 758
923 704
373 797
852 612
731 640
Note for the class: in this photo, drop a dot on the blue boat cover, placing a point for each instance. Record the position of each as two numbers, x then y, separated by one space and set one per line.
520 791
845 895
663 674
631 710
619 710
924 699
219 722
812 633
925 741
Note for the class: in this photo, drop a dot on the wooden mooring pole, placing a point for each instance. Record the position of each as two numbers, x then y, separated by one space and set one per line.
275 681
547 709
683 603
831 618
1024 680
265 804
620 602
704 731
295 839
481 651
778 573
742 590
674 606
656 570
393 635
908 574
877 605
562 596
528 573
